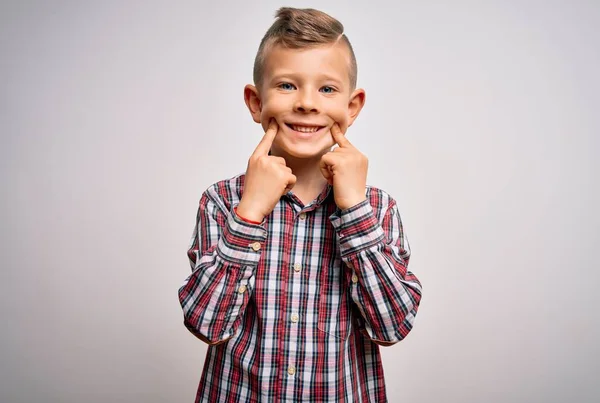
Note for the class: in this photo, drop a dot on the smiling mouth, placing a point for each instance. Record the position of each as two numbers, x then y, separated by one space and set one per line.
304 128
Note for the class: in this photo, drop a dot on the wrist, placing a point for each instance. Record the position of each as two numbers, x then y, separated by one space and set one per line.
248 214
346 204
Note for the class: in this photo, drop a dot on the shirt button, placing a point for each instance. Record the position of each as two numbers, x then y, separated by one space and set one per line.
291 370
255 246
297 267
354 278
294 318
242 289
302 216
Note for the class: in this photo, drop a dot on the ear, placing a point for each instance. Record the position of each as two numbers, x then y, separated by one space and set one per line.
355 105
253 102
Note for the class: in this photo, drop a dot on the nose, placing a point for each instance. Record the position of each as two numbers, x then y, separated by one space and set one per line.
306 102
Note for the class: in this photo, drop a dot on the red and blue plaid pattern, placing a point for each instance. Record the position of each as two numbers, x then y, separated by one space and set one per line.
295 308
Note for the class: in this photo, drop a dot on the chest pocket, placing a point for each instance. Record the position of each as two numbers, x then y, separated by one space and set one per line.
335 313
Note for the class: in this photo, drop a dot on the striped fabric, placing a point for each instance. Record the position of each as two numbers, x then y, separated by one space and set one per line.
296 307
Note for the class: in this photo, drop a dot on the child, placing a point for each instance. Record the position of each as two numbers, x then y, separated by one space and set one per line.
299 269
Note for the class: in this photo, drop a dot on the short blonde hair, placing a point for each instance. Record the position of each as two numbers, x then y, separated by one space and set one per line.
300 29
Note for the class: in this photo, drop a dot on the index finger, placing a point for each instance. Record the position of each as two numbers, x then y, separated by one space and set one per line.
264 146
339 137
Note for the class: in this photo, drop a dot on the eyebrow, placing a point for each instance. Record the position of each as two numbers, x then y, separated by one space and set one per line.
323 77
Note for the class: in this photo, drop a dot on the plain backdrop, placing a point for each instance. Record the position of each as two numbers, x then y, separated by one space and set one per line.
481 120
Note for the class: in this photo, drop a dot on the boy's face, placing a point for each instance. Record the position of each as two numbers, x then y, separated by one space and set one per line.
306 91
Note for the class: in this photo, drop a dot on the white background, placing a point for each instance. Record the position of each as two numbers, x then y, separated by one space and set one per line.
481 120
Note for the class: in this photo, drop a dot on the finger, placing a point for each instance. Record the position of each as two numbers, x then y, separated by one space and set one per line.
280 161
339 137
291 182
288 170
264 146
326 169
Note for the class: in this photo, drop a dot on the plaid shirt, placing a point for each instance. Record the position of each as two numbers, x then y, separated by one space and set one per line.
295 308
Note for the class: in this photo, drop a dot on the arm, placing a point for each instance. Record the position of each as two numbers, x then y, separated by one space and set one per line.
225 249
224 253
377 255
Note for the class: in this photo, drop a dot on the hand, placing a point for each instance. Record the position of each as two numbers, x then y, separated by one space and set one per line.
267 179
346 169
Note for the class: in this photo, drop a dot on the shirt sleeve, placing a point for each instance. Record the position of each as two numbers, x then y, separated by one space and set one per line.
224 252
377 255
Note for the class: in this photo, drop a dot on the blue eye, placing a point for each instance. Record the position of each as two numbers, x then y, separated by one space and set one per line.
327 90
286 86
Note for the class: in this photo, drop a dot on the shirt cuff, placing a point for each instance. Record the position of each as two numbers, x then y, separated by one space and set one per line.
357 227
241 242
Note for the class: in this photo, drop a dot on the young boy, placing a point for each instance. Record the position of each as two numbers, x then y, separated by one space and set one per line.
299 269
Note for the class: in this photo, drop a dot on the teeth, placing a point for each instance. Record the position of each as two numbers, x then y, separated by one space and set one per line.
305 129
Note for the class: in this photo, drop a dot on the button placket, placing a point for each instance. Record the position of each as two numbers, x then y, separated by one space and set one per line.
294 296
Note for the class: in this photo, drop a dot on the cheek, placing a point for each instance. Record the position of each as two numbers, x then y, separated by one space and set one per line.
339 114
272 108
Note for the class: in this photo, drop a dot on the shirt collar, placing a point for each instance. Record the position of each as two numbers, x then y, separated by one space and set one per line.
323 197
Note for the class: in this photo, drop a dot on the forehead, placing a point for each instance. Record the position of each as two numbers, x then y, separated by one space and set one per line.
329 59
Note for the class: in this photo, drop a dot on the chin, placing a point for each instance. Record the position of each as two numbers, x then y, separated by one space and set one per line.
306 154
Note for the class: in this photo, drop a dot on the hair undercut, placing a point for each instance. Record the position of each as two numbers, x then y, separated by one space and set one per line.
301 29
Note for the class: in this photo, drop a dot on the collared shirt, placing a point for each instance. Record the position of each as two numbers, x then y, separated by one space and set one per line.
294 308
